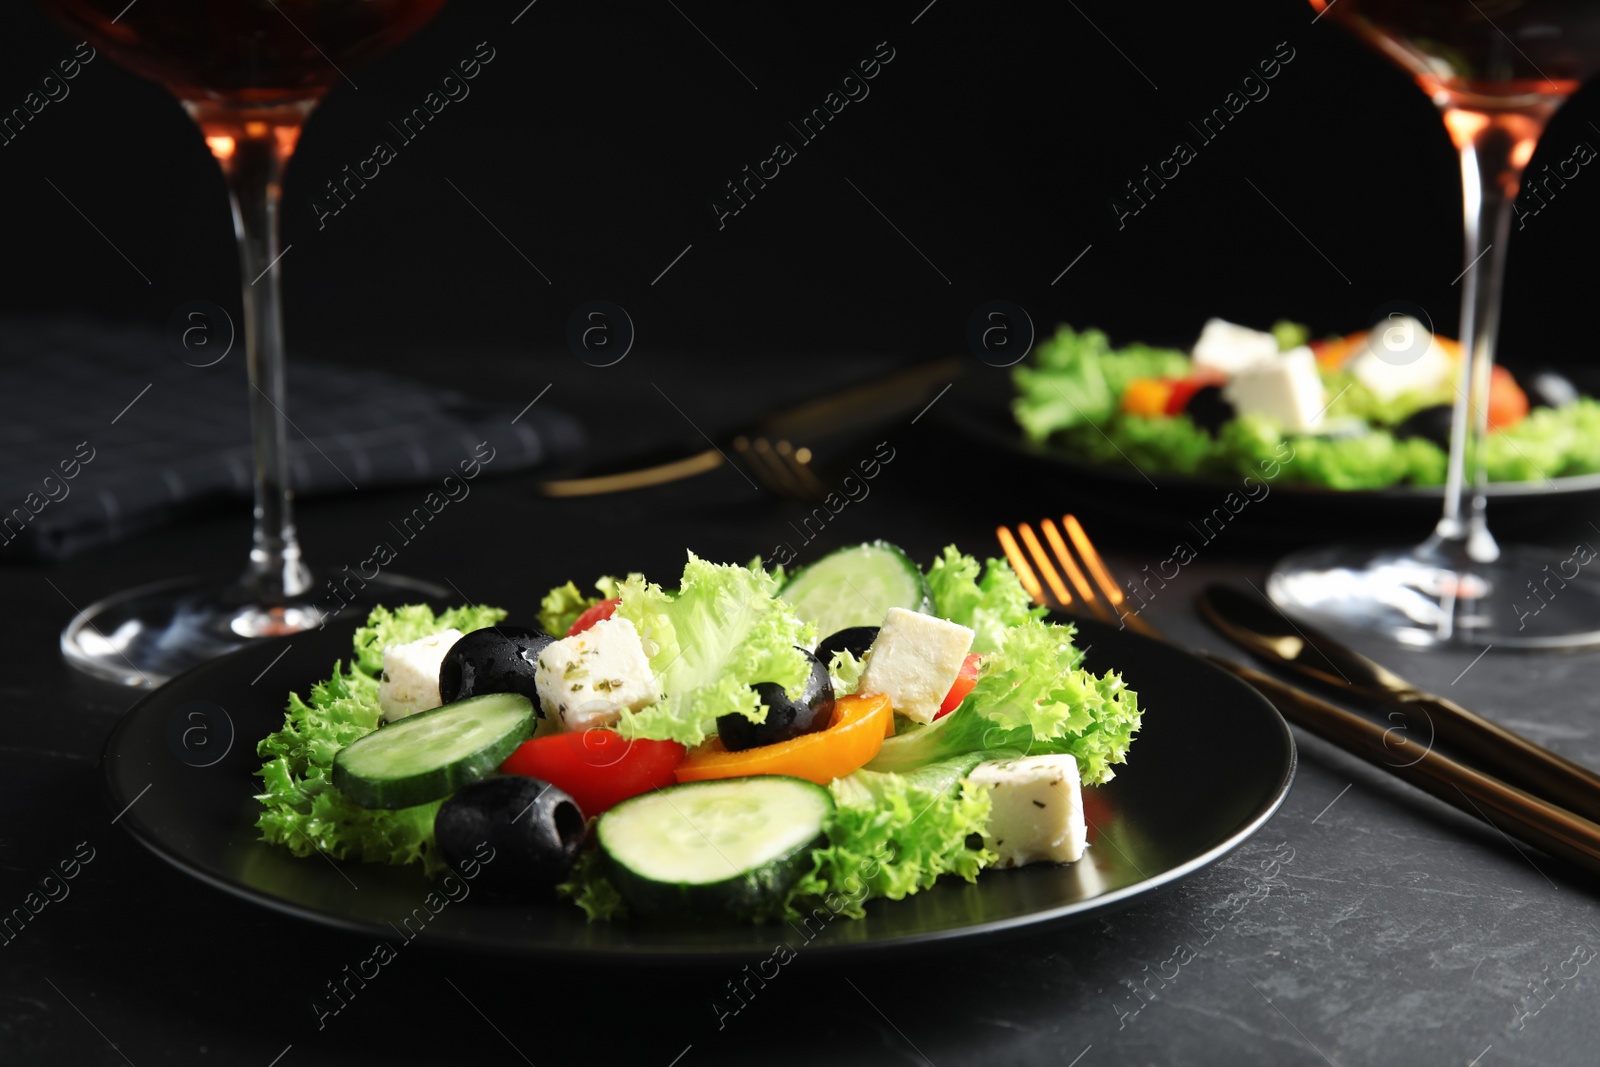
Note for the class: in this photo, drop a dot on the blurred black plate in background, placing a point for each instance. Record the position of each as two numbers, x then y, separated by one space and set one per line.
981 415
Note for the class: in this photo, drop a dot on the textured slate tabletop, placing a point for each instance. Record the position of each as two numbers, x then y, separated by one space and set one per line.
1365 923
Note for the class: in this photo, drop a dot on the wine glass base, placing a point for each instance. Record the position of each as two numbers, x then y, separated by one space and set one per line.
1528 598
146 636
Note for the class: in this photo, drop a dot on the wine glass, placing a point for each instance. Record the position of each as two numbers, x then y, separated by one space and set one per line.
248 72
1497 71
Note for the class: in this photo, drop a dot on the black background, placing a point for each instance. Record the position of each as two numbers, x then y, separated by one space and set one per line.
995 141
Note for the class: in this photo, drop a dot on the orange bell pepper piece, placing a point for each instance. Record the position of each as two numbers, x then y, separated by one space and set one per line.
1147 397
852 739
1332 355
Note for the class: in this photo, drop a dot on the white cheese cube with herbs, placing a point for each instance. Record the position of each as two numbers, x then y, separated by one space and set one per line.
913 661
1288 391
588 679
1230 349
1035 809
410 679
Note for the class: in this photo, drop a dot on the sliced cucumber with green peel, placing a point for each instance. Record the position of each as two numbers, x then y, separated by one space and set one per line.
429 755
856 586
730 844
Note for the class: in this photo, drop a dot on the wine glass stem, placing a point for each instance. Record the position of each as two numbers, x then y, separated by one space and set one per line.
1494 147
253 152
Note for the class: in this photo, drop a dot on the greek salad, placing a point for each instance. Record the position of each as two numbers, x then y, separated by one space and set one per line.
746 743
1363 411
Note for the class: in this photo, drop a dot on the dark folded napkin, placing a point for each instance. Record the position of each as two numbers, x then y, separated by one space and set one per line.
106 432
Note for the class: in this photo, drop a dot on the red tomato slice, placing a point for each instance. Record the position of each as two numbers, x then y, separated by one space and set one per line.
1508 404
597 768
603 610
965 680
1183 389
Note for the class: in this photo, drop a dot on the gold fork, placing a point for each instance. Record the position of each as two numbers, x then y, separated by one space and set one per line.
1531 818
780 466
1106 602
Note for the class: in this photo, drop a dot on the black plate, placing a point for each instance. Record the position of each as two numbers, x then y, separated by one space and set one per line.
982 415
1211 765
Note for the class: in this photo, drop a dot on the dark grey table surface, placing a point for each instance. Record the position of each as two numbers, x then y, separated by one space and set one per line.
1394 930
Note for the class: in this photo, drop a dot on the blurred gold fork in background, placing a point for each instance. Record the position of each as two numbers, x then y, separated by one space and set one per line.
1106 603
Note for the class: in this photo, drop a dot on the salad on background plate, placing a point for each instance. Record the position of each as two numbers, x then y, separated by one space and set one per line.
1364 411
742 743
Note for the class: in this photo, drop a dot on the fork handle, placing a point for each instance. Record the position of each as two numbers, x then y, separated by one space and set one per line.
1548 827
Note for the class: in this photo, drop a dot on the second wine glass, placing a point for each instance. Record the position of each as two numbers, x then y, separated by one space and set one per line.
1496 81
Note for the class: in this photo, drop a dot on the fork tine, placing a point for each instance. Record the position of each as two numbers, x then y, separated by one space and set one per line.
1068 564
1042 561
1019 564
1102 577
799 462
779 469
759 460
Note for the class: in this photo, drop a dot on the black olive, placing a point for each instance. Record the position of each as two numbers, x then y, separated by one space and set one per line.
855 640
497 659
1548 388
1208 409
1431 424
786 718
512 835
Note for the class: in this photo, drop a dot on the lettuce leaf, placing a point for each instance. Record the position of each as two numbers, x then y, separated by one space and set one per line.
1032 698
987 604
1290 334
723 631
892 835
845 672
562 605
304 812
588 888
1077 378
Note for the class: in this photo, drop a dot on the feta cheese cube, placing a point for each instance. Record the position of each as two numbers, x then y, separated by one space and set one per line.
913 661
1401 356
1288 390
410 679
586 680
1228 348
1036 809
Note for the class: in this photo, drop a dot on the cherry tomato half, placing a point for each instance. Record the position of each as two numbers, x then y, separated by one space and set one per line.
603 610
965 680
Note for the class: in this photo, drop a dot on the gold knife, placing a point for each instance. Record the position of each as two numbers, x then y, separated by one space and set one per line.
849 408
1264 631
1549 827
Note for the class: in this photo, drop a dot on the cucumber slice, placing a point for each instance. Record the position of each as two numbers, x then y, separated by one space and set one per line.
856 586
431 754
730 844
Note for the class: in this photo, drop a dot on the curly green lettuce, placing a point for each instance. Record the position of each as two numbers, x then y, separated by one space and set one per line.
303 811
1077 378
1032 698
588 887
1290 334
892 835
723 631
562 605
988 603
